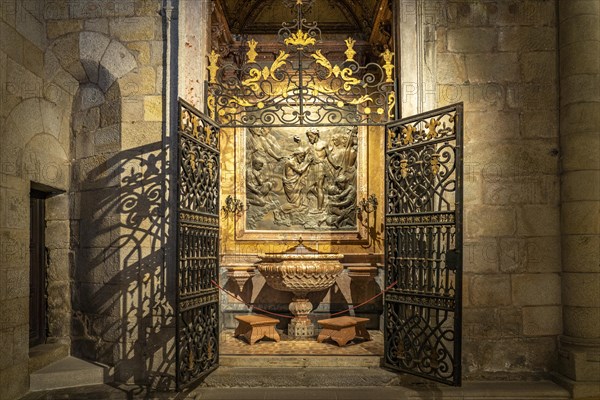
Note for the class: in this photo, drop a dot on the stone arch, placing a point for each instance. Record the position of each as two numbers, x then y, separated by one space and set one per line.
32 118
88 57
89 66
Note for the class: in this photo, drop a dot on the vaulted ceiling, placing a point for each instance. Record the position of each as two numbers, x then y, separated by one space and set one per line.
351 17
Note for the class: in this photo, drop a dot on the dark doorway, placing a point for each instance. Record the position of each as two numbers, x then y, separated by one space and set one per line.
37 269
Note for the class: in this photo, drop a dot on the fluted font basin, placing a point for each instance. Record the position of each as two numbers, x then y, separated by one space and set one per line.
300 270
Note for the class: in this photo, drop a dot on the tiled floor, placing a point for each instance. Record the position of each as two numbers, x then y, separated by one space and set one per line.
234 346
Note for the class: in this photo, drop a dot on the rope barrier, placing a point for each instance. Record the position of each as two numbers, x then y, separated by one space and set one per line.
251 305
366 301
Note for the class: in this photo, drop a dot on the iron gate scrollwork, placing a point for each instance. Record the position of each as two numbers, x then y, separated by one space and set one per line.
423 229
197 246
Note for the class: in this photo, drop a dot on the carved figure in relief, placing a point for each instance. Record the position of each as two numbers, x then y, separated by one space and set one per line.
321 166
264 144
351 149
257 186
301 178
342 203
294 180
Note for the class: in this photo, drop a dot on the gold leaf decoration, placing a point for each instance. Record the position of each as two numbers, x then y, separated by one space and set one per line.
435 164
388 56
404 168
213 68
391 137
251 54
350 52
300 39
432 126
408 132
360 100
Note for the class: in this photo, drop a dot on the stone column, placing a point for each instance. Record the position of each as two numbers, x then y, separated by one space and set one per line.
194 47
579 52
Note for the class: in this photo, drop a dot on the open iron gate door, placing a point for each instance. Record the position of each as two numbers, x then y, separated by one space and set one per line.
197 331
423 245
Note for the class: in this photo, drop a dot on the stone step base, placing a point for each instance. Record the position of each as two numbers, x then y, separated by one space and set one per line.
232 377
67 373
295 361
45 354
543 390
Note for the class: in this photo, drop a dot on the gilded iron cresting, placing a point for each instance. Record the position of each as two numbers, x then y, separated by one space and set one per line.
301 86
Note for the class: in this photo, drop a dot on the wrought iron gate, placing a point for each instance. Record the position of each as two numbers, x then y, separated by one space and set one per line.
423 243
197 332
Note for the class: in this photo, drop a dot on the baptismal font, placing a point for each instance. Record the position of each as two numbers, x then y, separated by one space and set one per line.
300 270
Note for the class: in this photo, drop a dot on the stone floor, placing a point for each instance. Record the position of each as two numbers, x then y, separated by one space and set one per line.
238 346
542 390
344 380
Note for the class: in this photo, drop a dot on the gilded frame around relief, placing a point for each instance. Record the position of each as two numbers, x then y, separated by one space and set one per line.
275 172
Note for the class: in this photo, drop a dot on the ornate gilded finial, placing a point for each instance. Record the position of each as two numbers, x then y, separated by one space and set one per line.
350 52
388 56
252 51
213 57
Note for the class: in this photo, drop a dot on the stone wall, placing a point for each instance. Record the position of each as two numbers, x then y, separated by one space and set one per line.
34 149
579 50
82 111
499 58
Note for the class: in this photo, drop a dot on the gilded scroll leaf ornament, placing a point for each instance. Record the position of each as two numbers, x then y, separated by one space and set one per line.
350 52
391 105
256 75
213 68
361 99
344 73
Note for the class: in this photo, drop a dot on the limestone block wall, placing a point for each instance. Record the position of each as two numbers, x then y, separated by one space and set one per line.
33 148
82 111
499 58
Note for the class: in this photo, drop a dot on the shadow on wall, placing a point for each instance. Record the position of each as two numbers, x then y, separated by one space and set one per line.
122 311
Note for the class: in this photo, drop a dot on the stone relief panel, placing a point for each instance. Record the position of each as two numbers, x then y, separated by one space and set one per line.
300 182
